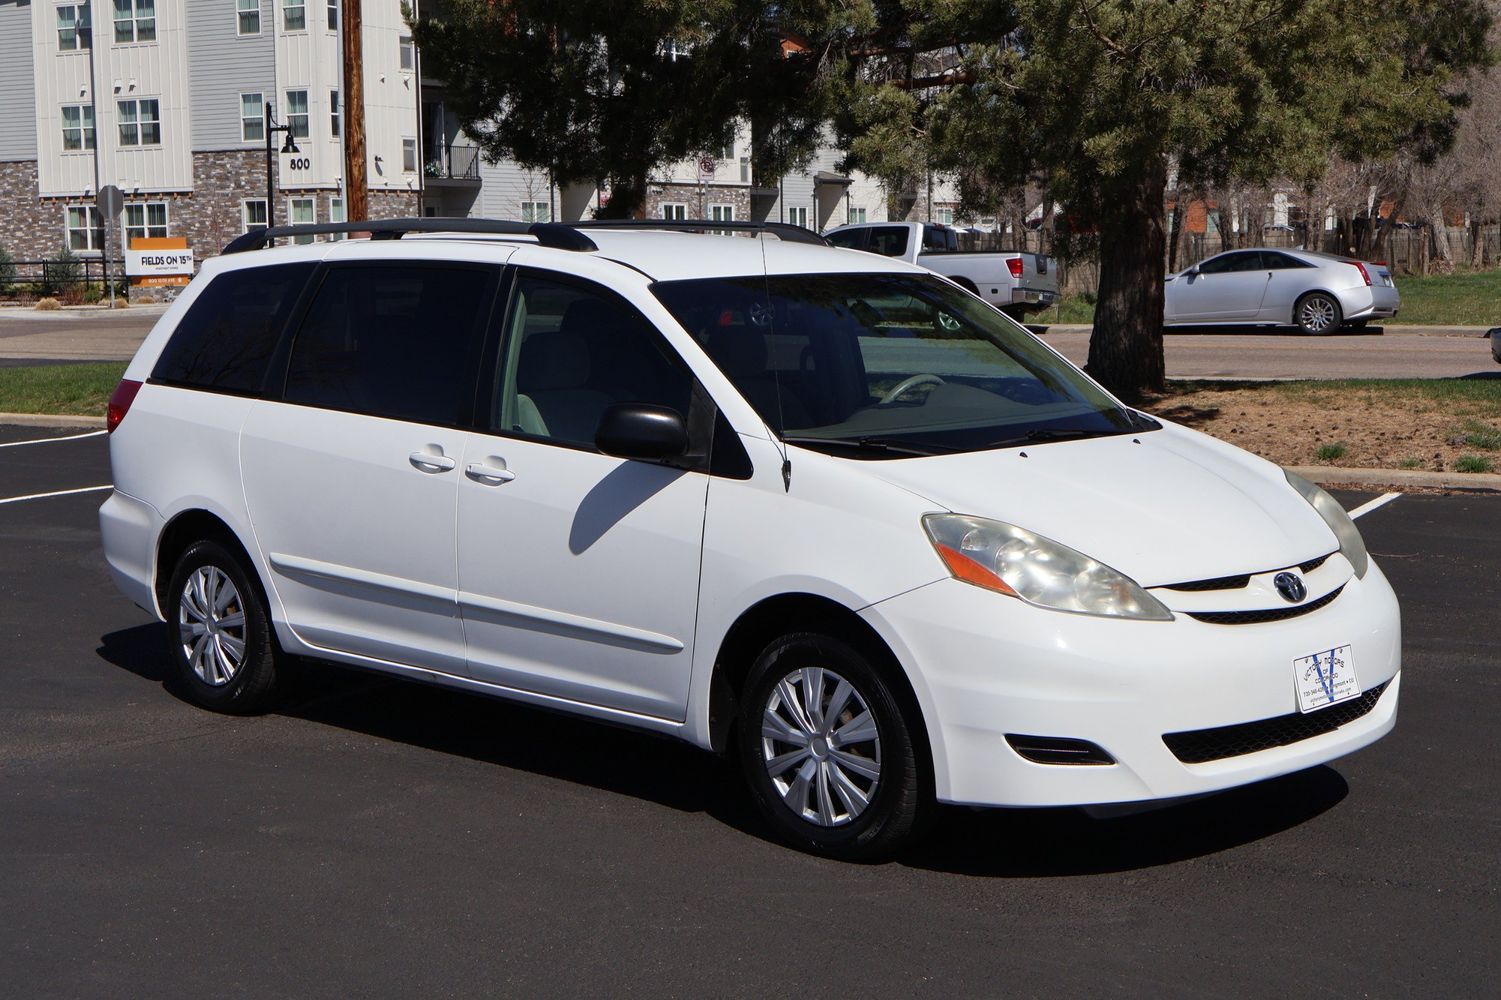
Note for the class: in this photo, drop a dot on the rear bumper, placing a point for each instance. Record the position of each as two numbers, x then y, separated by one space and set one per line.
1375 302
985 666
129 528
1039 298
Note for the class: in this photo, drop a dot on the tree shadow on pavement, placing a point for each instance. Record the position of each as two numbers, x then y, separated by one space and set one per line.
1008 843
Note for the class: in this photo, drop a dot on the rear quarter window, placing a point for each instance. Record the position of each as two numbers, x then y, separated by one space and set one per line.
228 335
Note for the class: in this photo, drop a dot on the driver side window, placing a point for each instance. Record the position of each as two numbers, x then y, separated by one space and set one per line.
573 349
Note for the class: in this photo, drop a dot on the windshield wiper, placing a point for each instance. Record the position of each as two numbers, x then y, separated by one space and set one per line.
869 444
1041 435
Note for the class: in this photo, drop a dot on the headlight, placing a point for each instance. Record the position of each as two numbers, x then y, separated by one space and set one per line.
1351 545
1015 562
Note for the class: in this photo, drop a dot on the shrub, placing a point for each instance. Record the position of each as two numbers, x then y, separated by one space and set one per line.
1410 463
1472 463
48 304
65 277
1331 452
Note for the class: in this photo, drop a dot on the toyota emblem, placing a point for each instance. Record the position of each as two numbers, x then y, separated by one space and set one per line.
1290 586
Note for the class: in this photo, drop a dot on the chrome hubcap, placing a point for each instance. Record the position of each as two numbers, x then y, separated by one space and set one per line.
212 626
1318 315
821 747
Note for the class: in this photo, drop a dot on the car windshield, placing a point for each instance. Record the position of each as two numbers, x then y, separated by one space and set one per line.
888 365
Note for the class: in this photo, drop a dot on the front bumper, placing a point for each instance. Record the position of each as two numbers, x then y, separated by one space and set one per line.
984 666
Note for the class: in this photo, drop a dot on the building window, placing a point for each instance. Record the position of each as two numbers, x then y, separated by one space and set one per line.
722 213
943 216
333 15
83 228
75 27
798 217
409 156
302 212
252 117
745 174
140 122
408 54
78 126
535 211
857 215
248 16
297 116
135 20
335 123
252 214
336 214
294 15
674 210
148 220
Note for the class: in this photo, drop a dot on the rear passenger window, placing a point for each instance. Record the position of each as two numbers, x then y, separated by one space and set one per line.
573 350
890 241
399 341
228 335
850 239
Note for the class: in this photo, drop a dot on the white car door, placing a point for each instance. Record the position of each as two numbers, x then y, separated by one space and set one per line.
1224 289
351 477
578 572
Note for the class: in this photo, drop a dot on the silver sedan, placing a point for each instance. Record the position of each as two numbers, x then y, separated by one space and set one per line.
1316 292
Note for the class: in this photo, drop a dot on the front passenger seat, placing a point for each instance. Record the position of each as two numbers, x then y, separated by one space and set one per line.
554 369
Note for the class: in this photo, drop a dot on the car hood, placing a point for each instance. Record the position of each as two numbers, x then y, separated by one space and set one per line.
1163 507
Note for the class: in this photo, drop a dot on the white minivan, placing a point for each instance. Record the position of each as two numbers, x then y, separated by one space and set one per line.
821 510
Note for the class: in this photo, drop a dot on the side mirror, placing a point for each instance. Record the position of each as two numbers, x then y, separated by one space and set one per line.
642 431
1192 272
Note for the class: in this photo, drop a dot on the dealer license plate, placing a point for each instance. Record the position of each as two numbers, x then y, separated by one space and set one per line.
1325 678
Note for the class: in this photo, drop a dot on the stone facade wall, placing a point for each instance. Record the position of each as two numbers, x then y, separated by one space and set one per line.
30 228
698 198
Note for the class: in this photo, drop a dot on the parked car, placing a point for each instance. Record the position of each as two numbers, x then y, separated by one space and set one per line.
823 511
1495 334
1018 283
1316 292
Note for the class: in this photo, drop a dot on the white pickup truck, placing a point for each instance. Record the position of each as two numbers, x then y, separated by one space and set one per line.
1016 283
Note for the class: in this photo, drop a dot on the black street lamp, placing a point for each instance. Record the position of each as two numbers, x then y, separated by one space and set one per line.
290 146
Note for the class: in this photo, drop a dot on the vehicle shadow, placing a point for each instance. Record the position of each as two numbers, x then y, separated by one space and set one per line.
1273 331
1006 843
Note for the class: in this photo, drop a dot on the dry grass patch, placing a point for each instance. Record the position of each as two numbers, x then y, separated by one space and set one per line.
1442 425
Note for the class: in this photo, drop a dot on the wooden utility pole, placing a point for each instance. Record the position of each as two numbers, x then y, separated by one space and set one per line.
356 189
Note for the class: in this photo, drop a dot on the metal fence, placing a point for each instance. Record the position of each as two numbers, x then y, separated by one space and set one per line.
34 279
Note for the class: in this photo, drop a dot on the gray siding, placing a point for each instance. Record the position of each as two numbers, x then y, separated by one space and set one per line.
17 82
224 65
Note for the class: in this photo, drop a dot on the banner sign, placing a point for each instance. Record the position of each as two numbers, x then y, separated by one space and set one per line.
159 261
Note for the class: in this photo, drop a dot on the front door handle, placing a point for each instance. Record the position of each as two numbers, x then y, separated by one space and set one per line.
489 475
428 462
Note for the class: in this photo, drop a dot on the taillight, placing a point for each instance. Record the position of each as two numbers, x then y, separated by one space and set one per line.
1015 264
119 403
1363 272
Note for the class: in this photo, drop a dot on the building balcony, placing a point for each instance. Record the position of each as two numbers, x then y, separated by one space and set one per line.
452 165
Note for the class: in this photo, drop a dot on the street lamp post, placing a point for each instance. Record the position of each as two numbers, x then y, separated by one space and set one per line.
290 146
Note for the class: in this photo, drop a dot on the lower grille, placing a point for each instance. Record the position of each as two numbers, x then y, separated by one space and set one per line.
1201 745
1058 750
1260 617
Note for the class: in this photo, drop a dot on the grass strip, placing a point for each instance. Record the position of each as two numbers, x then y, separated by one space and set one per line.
66 389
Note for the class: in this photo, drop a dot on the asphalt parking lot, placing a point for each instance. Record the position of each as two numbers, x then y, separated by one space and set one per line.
379 838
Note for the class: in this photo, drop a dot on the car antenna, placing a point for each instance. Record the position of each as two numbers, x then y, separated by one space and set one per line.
771 319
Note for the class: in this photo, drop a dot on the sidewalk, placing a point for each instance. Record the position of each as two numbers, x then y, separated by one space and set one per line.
85 333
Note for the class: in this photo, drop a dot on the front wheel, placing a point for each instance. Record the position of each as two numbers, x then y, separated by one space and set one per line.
828 752
219 632
1317 313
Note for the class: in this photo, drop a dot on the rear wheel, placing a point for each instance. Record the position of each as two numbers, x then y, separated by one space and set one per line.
219 632
828 752
1317 313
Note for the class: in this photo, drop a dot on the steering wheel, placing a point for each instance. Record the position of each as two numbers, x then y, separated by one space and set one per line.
906 385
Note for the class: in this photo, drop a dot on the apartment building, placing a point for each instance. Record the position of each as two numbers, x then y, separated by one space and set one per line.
166 100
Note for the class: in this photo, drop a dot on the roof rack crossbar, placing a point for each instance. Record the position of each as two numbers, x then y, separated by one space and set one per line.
548 234
783 230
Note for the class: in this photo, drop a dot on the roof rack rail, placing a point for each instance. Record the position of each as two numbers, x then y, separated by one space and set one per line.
783 230
548 234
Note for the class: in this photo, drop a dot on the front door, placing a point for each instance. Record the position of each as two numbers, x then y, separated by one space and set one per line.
578 572
351 478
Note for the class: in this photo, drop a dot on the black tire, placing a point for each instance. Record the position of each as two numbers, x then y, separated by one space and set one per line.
1318 313
900 797
251 684
1356 325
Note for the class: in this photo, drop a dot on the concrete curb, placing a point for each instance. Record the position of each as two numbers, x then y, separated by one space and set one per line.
1399 479
54 420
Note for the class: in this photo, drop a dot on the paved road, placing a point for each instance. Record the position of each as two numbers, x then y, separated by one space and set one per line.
1398 353
75 334
379 838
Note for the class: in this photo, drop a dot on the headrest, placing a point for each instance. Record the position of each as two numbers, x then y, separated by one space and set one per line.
588 316
553 359
740 352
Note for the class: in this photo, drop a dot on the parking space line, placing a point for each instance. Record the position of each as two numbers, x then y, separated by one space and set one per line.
70 437
57 493
1371 505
